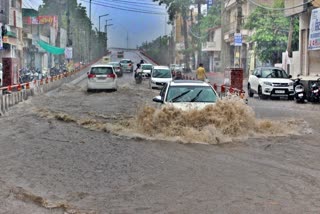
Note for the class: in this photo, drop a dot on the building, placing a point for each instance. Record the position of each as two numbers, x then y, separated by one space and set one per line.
11 49
306 61
235 14
213 48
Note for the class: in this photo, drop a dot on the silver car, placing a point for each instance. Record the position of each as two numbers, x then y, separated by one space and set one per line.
102 77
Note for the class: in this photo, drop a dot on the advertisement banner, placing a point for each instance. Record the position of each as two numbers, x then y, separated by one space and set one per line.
52 20
68 53
314 37
237 39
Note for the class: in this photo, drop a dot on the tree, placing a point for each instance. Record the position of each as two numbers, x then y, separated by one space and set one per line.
158 49
271 30
175 7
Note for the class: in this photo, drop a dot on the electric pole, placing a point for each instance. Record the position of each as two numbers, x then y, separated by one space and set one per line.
237 58
106 32
199 30
90 32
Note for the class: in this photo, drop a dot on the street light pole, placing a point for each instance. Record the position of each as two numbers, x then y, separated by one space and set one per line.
90 32
100 17
106 32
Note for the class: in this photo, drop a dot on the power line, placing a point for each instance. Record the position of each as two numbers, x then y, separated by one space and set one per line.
132 2
138 5
127 9
271 8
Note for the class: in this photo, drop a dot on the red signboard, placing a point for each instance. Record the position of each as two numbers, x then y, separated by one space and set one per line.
52 20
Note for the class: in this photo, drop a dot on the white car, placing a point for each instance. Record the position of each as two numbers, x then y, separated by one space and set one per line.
102 77
146 69
160 75
187 94
270 82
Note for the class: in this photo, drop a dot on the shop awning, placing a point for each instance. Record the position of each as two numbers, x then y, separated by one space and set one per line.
50 48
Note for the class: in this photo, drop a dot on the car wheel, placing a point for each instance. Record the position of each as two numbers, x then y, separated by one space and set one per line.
250 91
261 96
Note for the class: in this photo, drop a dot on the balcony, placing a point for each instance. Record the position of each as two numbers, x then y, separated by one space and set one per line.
210 46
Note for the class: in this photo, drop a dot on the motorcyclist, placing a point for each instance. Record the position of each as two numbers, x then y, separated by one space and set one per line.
137 70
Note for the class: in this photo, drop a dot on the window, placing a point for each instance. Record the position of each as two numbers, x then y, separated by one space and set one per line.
191 94
101 70
161 73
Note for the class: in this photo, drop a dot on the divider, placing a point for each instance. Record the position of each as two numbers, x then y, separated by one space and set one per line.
14 94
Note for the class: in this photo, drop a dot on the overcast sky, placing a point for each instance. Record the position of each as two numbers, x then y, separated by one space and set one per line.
140 27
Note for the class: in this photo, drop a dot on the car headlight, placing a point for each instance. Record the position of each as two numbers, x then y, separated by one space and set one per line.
290 83
267 83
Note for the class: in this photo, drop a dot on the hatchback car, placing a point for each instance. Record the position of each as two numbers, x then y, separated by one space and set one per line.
102 77
160 75
117 68
270 82
187 94
126 65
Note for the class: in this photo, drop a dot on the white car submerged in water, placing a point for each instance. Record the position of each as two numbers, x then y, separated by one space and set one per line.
187 95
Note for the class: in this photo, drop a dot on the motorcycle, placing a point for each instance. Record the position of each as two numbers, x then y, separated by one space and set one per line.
138 76
299 92
315 91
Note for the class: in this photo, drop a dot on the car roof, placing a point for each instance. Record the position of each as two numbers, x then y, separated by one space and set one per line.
126 59
113 62
188 82
146 64
161 66
102 65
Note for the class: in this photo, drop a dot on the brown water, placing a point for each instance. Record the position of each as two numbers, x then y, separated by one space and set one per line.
228 120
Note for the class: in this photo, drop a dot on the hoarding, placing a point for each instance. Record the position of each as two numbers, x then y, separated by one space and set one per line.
314 36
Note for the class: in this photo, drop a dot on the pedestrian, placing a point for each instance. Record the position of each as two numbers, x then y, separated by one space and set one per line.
201 73
178 75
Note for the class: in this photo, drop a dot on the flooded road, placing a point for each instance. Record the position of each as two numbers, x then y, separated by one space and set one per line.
65 152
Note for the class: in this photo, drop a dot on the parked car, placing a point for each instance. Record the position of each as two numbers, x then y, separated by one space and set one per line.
102 77
126 65
187 94
270 82
146 69
160 75
117 68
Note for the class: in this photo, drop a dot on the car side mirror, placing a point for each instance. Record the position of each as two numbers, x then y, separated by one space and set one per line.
157 99
258 75
290 76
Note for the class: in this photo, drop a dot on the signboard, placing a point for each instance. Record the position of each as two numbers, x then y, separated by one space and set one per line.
237 39
68 53
209 4
39 20
314 36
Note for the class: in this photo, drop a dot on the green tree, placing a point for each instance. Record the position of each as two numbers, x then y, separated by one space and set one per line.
80 27
175 7
271 30
158 49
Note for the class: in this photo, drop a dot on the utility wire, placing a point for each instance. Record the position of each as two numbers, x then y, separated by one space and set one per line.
131 5
127 9
271 8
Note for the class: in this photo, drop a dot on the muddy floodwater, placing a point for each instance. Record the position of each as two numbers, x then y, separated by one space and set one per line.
70 151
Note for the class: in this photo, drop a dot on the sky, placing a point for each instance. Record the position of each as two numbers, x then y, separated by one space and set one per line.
140 27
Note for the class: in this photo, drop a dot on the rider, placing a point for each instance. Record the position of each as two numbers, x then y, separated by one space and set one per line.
136 71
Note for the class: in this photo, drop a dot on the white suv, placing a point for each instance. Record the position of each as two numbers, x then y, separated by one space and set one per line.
270 82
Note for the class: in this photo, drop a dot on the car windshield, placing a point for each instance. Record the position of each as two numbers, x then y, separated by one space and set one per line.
273 73
101 70
191 94
161 73
146 67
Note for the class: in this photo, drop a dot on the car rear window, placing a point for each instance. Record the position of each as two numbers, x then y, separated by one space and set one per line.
101 70
161 73
146 67
125 61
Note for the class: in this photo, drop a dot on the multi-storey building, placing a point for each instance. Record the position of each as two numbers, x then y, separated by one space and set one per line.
306 60
229 55
11 50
